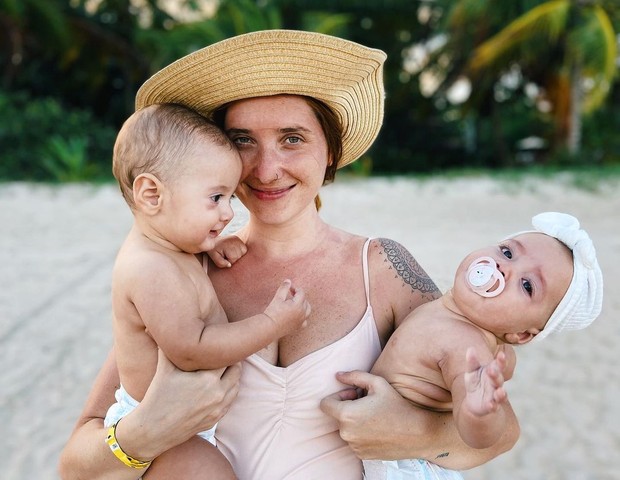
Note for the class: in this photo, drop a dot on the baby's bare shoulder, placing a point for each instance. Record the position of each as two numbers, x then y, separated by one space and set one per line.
143 266
433 328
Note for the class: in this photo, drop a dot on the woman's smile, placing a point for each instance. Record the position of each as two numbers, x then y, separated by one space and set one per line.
270 193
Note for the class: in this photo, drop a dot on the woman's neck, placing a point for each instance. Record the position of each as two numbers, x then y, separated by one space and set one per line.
288 240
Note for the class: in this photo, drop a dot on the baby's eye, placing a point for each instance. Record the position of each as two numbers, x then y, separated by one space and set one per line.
506 251
527 286
216 198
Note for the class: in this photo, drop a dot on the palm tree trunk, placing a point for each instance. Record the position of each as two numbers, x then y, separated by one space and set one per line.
573 140
499 141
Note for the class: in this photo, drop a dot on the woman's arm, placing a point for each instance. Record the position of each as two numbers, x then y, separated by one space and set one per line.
383 425
176 406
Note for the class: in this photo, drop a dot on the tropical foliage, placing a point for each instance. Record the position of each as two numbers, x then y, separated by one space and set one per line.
566 48
559 57
545 69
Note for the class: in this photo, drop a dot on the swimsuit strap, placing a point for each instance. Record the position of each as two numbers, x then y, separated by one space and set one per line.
365 269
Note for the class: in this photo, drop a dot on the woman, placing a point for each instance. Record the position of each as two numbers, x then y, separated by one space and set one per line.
298 106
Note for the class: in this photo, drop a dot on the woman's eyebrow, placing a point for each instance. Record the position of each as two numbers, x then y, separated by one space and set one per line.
295 128
237 130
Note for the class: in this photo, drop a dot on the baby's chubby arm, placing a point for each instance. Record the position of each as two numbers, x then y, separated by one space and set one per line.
172 309
228 249
477 396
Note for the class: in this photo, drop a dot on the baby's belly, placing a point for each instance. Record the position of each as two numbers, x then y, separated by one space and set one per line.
422 392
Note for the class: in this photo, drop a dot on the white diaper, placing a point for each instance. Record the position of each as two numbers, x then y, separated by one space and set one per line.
125 404
413 469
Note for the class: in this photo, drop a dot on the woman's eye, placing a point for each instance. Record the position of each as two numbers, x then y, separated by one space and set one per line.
293 140
506 251
241 140
527 286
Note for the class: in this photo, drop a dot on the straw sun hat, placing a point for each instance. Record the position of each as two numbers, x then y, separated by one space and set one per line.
346 76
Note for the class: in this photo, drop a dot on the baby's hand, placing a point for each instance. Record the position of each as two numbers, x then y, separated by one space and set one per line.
228 249
484 384
289 308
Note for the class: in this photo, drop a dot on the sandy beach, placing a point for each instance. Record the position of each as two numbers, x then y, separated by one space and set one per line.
57 248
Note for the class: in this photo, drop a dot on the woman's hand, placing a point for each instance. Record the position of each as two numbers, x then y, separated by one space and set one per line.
383 425
176 406
376 426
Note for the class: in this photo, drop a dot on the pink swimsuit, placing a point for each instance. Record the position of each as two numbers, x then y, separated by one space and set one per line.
275 429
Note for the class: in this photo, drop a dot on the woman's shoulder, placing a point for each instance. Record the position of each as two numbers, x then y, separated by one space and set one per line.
391 258
338 240
398 282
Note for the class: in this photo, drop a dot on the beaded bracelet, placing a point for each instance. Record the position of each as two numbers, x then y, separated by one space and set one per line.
119 453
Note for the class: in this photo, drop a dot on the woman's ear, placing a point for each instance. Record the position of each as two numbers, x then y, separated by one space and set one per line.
520 338
148 193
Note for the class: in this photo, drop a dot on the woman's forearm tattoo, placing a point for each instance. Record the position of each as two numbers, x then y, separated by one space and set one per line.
407 267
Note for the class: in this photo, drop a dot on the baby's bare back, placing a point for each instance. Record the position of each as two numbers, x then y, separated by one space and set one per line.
160 298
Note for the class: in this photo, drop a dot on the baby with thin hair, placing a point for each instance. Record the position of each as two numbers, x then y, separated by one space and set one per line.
454 353
178 171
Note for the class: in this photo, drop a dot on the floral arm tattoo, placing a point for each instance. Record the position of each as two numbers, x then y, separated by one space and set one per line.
408 268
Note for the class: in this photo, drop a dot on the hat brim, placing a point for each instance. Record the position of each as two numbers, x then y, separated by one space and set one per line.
346 76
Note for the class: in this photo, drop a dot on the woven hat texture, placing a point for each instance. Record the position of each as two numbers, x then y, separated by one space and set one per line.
346 76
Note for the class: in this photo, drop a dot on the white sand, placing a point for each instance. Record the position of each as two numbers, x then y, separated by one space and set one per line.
57 248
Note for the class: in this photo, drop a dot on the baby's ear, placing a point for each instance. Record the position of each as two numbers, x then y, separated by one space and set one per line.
147 193
521 338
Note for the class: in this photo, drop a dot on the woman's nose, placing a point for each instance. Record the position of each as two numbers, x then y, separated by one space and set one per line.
266 164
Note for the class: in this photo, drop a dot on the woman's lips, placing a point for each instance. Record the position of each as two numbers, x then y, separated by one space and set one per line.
271 194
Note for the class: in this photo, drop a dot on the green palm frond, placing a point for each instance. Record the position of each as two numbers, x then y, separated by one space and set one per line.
586 35
545 23
595 46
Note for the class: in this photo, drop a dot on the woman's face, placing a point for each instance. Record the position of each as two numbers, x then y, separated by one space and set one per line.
283 152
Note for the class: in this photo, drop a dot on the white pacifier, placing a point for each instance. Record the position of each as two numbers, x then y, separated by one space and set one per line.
484 278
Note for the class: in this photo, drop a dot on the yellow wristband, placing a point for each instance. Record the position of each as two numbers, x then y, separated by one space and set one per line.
118 451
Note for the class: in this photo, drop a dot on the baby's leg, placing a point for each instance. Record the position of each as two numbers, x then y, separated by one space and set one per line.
195 459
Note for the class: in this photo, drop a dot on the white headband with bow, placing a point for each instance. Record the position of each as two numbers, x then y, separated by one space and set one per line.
583 300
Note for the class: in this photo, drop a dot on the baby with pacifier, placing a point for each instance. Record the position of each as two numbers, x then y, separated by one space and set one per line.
454 353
